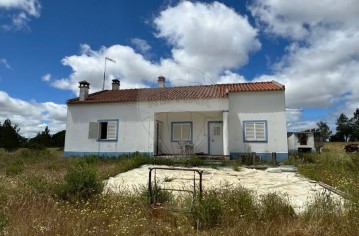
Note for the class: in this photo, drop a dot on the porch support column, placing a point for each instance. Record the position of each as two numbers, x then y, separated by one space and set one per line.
225 134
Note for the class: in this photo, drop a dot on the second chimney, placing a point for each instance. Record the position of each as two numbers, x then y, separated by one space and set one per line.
84 90
115 84
161 81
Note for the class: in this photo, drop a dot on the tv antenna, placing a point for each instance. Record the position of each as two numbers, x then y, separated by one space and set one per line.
104 71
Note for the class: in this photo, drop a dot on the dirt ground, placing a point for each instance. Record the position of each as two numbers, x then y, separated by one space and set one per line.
283 180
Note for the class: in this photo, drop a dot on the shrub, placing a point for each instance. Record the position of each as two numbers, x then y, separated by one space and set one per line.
323 209
81 183
208 210
275 208
37 184
4 221
195 161
36 146
14 168
159 195
240 202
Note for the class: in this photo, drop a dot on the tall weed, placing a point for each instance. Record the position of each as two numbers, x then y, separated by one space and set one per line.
81 183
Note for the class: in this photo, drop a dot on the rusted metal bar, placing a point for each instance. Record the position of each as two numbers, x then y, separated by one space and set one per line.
198 171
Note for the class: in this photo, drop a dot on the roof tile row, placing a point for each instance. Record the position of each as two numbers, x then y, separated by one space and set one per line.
176 93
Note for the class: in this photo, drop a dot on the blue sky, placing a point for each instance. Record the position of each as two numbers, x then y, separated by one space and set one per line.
47 47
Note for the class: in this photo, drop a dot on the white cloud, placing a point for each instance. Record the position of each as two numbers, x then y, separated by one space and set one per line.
321 66
229 77
5 63
46 77
207 40
141 45
32 116
209 37
302 125
298 19
130 67
20 10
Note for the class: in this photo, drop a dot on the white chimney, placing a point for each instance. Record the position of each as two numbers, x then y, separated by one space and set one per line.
115 84
161 81
84 90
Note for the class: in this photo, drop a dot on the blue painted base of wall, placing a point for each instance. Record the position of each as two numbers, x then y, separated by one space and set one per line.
281 156
104 154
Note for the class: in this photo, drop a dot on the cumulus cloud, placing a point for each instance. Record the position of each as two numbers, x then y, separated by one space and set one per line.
321 64
130 67
141 45
300 18
229 77
19 12
46 77
4 63
207 39
32 117
210 37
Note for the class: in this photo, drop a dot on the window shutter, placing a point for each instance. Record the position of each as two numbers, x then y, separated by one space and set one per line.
111 130
249 131
93 130
260 131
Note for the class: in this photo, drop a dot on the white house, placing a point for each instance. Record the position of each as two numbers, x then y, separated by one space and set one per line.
304 141
221 119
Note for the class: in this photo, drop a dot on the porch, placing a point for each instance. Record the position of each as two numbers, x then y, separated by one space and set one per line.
191 133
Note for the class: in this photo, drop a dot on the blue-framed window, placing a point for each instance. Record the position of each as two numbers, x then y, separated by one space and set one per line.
255 131
181 131
104 130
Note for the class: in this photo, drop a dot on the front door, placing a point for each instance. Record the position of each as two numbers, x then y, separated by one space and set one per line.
158 138
215 137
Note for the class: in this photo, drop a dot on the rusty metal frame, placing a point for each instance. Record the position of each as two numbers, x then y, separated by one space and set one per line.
152 199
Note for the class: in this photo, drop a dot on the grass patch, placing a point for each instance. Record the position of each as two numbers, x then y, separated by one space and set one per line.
28 205
81 182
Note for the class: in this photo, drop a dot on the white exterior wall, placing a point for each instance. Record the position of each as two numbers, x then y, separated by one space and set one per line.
199 126
135 124
251 106
294 144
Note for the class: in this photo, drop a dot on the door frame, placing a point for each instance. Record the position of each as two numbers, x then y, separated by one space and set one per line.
209 133
157 123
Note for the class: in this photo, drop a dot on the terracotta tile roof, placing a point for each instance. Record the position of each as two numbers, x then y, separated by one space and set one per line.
176 93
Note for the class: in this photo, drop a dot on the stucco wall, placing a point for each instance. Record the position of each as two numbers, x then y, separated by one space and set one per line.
200 128
293 142
135 124
251 106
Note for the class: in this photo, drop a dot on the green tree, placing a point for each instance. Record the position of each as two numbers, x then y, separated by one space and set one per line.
324 129
43 139
354 121
10 139
58 139
344 128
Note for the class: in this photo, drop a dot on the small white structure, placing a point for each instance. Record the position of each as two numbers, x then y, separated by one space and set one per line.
222 119
304 141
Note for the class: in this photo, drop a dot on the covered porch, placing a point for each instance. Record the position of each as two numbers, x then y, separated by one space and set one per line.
191 133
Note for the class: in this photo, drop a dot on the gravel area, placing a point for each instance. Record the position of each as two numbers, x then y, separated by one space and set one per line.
283 180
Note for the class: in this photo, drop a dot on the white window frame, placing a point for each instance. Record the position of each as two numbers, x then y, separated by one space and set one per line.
255 131
181 124
96 130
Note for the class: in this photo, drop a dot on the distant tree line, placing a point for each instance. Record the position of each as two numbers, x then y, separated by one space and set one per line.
347 129
10 139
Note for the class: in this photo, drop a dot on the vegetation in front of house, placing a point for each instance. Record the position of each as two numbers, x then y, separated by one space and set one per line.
31 202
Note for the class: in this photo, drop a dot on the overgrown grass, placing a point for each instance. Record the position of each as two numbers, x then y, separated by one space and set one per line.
333 167
29 204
